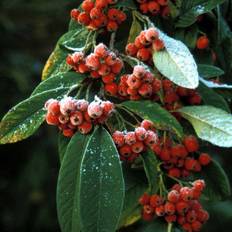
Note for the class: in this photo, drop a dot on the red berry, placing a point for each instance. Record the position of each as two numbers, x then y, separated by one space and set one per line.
139 71
179 151
125 151
147 217
67 105
153 7
111 59
144 199
151 34
169 208
104 70
95 110
170 218
118 138
156 200
181 220
111 89
53 106
52 119
186 194
101 50
187 227
117 67
196 226
85 127
87 5
158 45
191 216
140 133
165 154
182 207
204 159
112 26
145 90
137 147
202 215
76 118
176 187
151 138
130 138
134 82
68 132
92 61
74 14
199 185
84 18
160 211
202 42
191 143
131 49
82 105
144 54
174 172
156 85
147 125
95 13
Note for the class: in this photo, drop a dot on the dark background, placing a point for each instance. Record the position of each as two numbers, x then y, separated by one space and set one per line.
29 30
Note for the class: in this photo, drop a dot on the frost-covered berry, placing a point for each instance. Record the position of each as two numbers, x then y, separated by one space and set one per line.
76 118
82 105
67 105
130 138
95 109
140 133
118 138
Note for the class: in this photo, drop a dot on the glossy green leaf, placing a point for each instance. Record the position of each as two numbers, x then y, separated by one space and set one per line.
61 80
208 71
68 186
62 145
214 85
26 117
135 30
154 112
217 182
135 186
150 164
101 184
176 63
56 63
210 123
210 97
192 9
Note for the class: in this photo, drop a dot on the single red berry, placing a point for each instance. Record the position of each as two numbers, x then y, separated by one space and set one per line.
165 154
147 124
204 159
176 187
156 148
148 78
68 132
76 118
174 172
169 208
186 193
134 82
160 211
95 13
179 151
191 143
191 216
111 89
82 105
53 106
130 138
74 14
156 86
104 70
125 151
63 119
158 45
153 7
141 133
151 34
182 207
137 147
138 43
144 8
202 215
95 109
202 42
144 199
84 18
101 50
87 5
145 90
143 39
67 105
108 107
131 49
101 3
199 185
87 117
111 59
52 119
112 26
117 67
85 127
152 138
187 227
195 99
118 138
83 68
170 218
181 220
144 54
92 61
156 200
196 226
139 71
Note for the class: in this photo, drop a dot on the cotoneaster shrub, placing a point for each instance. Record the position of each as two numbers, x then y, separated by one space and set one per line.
136 115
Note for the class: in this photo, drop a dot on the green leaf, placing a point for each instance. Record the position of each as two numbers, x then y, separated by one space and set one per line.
26 117
135 29
127 4
210 123
68 188
150 164
208 71
64 80
62 145
154 226
210 97
56 63
217 182
101 184
154 112
136 185
176 63
192 9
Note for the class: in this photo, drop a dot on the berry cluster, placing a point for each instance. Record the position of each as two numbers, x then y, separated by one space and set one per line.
102 63
143 45
154 7
132 144
181 206
139 84
181 159
72 115
98 14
